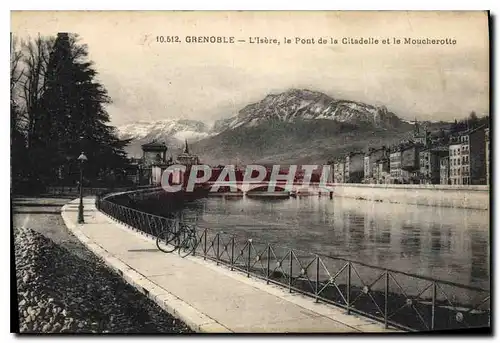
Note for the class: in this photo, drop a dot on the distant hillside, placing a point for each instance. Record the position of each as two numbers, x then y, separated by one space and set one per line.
306 141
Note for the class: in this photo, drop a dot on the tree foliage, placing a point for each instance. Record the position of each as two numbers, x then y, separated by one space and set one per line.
469 123
63 112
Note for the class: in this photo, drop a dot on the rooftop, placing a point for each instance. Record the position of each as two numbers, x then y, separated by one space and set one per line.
154 144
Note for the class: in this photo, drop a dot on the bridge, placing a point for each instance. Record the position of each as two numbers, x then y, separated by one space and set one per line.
249 187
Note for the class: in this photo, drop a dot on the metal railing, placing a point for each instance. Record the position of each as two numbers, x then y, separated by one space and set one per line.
94 191
403 300
62 190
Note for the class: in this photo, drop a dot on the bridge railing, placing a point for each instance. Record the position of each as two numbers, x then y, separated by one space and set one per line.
403 300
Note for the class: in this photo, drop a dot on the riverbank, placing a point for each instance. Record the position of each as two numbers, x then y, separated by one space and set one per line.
62 287
467 197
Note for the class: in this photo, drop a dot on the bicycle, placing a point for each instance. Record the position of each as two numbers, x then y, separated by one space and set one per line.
181 237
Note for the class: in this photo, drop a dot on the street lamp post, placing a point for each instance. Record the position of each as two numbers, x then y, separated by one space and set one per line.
82 158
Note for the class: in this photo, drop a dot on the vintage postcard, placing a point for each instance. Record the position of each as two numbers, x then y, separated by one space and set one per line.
250 172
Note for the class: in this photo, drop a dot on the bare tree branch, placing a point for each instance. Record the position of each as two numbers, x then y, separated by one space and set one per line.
34 56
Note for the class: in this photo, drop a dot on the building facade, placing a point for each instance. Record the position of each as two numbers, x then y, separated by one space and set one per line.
468 162
371 160
153 162
410 163
153 153
430 164
425 166
455 153
477 153
420 135
354 167
395 165
382 171
444 171
339 170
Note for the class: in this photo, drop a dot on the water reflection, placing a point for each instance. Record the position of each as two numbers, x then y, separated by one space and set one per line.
444 243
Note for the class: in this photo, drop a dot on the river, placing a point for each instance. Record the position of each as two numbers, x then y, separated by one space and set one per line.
444 243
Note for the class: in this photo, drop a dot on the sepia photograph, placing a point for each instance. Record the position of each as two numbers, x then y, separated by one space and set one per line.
186 172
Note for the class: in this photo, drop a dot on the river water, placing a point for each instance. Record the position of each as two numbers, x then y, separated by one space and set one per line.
444 243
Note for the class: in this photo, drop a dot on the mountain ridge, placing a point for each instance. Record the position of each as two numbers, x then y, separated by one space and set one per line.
281 126
306 104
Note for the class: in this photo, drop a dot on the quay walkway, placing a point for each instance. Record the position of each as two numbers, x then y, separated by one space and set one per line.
207 297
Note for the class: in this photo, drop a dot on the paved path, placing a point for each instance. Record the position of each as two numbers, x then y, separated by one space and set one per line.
43 214
120 307
207 297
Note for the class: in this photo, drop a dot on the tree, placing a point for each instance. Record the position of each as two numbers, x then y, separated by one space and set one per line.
58 110
33 83
15 77
473 120
74 117
17 139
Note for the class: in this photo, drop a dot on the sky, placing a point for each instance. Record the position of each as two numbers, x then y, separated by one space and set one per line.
149 81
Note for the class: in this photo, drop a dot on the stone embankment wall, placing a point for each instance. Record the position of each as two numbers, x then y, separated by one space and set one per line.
472 197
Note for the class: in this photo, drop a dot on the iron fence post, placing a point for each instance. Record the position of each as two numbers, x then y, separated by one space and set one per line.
386 297
268 262
179 241
232 252
249 252
348 287
218 241
433 310
205 245
290 272
195 241
316 290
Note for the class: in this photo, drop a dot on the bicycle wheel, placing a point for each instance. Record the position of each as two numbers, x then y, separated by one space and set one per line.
188 245
169 239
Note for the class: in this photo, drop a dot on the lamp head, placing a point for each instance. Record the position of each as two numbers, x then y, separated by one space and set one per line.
82 158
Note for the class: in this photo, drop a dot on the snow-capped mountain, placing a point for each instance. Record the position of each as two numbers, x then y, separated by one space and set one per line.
179 129
288 106
172 132
304 104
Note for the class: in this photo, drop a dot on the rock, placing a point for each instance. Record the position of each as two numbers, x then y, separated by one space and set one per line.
64 293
